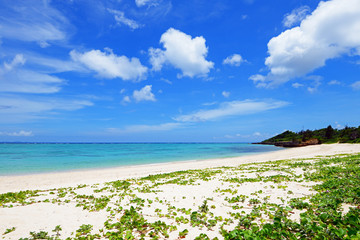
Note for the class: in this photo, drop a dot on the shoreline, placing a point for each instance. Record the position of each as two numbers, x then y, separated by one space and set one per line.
45 181
133 165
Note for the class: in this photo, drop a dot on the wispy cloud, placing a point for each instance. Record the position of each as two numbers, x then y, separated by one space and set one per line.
356 85
234 108
122 20
126 100
32 21
15 78
225 94
297 85
21 133
142 3
146 128
23 109
334 82
296 16
18 60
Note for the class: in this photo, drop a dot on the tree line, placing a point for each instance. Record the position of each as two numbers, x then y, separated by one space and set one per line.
310 137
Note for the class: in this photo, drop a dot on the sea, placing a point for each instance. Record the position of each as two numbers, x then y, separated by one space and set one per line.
32 158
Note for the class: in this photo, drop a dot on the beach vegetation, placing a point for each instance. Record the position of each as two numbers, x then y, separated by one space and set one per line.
9 230
57 230
183 233
17 197
84 229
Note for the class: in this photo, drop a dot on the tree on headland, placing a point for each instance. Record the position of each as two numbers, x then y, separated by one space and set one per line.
329 132
324 135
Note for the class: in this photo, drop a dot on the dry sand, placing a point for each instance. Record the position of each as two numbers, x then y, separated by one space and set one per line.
44 216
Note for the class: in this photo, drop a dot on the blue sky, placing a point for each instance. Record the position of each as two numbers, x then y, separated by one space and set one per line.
164 70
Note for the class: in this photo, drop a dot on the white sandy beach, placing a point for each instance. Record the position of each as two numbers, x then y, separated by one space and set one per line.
74 178
49 210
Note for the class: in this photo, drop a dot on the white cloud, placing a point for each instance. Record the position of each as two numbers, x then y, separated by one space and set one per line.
338 125
330 31
183 52
53 65
109 65
157 58
144 94
316 82
126 100
311 89
296 16
43 44
297 85
209 103
21 109
166 81
141 3
259 80
21 133
226 94
18 60
234 60
32 21
121 19
146 128
356 85
233 108
334 82
14 78
257 134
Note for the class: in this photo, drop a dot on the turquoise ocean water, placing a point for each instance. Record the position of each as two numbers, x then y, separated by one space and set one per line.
19 159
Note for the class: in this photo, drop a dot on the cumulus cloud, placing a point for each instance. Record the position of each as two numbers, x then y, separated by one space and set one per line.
234 60
109 65
356 85
21 133
296 16
233 108
122 20
183 52
14 78
144 94
330 31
